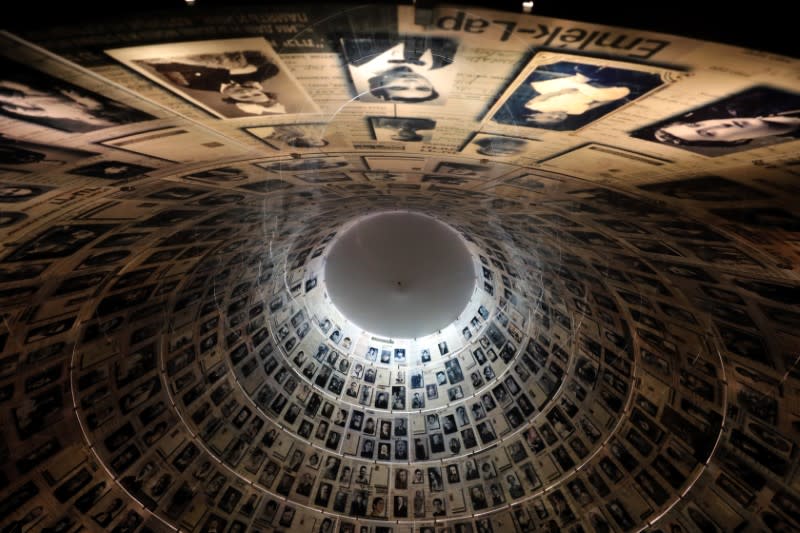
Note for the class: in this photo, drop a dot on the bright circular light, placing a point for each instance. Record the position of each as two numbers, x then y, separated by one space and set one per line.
400 274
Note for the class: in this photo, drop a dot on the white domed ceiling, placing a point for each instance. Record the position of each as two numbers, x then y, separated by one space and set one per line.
326 269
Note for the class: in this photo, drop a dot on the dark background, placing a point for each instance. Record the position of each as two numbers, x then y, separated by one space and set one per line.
766 25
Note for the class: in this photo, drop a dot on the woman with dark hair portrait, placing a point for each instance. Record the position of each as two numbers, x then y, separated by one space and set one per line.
32 96
758 116
732 131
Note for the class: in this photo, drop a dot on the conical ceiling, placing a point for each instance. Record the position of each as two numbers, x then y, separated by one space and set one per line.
336 269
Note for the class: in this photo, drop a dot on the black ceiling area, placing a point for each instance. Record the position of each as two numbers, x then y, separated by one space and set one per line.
399 268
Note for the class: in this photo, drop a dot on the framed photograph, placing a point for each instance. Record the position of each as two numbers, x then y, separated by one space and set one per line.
229 78
58 241
563 92
489 145
283 138
414 69
756 117
112 170
306 164
32 96
431 391
32 156
401 129
18 193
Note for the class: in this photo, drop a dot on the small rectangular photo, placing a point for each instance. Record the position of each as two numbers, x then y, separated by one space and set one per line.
501 146
57 242
229 78
31 156
112 170
312 136
308 164
18 193
450 181
455 168
563 92
402 129
413 69
756 117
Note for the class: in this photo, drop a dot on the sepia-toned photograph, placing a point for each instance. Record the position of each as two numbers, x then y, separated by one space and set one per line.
229 78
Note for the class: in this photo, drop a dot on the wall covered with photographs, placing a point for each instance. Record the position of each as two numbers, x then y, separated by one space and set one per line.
170 189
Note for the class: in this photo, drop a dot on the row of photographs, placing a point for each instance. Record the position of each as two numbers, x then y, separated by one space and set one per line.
77 482
732 333
560 92
755 403
240 77
685 271
22 155
696 384
579 492
715 247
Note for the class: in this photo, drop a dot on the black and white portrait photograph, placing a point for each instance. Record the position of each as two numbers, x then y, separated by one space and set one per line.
302 137
402 69
756 117
19 154
58 241
18 193
112 170
32 96
402 129
306 164
565 93
499 146
229 78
